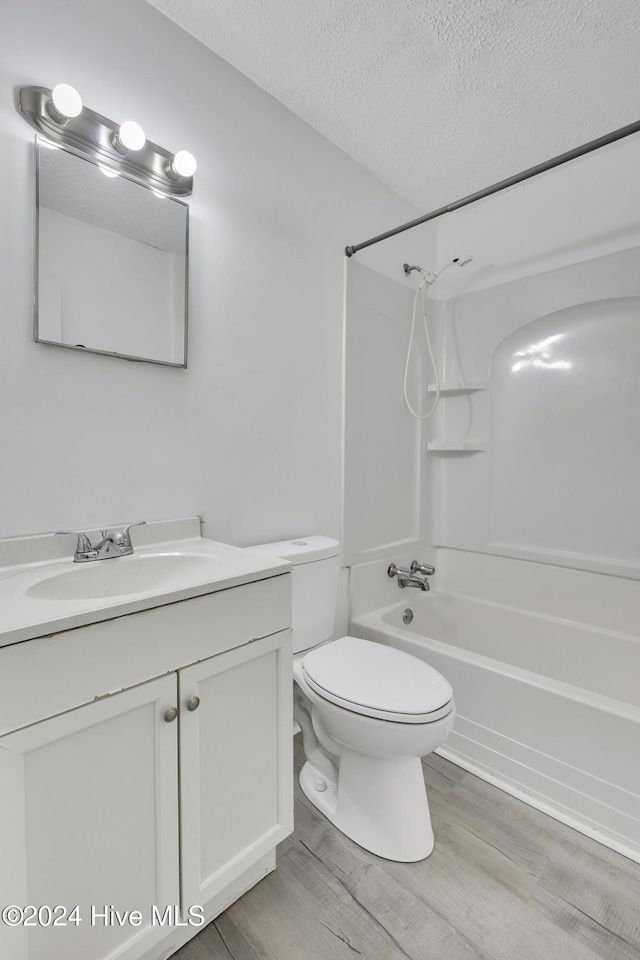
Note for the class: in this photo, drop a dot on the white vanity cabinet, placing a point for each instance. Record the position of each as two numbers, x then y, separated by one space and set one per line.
94 822
144 762
236 763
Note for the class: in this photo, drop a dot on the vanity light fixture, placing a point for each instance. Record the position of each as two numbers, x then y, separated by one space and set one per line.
182 165
60 116
64 104
130 136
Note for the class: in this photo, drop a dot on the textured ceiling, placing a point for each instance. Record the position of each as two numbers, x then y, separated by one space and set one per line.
438 98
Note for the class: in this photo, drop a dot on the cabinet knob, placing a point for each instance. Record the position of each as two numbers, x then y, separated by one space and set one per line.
193 703
170 715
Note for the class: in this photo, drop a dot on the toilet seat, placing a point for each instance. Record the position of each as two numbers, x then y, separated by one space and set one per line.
377 681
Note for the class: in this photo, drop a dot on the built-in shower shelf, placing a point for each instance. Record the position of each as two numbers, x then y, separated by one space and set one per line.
454 446
459 387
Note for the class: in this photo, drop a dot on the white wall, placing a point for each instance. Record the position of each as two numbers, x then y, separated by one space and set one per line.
250 434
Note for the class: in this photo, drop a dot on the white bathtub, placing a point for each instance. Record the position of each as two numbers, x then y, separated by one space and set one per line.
545 709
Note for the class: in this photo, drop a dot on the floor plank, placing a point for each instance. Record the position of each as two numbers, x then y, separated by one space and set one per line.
207 945
597 893
441 775
408 919
504 882
303 910
585 930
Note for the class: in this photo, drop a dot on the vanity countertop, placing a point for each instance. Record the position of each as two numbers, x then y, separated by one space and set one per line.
35 573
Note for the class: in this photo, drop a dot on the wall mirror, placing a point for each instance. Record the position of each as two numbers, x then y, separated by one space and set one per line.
111 262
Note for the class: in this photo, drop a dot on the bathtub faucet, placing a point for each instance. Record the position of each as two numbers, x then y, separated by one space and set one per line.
409 578
413 582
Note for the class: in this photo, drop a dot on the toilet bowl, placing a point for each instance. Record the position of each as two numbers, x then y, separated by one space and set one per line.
373 790
368 714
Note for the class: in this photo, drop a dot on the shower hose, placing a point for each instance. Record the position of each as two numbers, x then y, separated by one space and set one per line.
422 289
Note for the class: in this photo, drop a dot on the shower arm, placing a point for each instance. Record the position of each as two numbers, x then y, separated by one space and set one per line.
430 276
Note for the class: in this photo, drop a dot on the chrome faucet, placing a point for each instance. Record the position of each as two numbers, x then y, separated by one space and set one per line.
415 576
406 578
413 582
114 543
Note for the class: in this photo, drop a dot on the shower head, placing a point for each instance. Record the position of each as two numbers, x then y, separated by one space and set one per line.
462 261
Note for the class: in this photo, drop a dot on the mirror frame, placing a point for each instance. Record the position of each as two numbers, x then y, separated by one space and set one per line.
36 261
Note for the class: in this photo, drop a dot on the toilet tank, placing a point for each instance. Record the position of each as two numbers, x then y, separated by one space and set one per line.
316 564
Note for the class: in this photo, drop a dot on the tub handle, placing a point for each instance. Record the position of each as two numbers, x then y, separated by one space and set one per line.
425 569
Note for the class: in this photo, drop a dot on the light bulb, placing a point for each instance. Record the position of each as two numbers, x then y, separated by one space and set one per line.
183 164
66 100
131 136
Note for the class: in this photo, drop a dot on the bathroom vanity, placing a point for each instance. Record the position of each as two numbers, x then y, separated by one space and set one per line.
145 741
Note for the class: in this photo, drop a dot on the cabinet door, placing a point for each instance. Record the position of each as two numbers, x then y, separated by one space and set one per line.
90 817
236 762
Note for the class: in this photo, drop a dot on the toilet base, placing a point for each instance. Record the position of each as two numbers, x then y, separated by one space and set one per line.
380 804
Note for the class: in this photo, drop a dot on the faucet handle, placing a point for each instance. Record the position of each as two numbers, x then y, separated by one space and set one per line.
393 571
122 538
83 546
124 533
423 568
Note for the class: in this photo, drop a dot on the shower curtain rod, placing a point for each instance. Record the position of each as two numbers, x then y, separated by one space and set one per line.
503 184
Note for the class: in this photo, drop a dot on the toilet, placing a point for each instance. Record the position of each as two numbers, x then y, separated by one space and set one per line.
367 711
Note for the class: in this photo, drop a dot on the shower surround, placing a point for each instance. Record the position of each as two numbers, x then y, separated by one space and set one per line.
528 509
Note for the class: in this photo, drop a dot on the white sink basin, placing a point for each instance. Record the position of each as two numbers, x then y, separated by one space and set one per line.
42 595
125 576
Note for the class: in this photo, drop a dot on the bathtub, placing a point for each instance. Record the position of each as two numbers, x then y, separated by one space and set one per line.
547 709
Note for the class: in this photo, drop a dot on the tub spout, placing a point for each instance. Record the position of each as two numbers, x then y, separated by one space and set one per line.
413 582
409 578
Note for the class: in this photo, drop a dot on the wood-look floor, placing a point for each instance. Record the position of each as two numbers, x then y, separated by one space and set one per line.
505 882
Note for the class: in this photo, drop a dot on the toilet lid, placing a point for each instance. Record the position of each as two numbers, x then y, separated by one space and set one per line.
377 680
